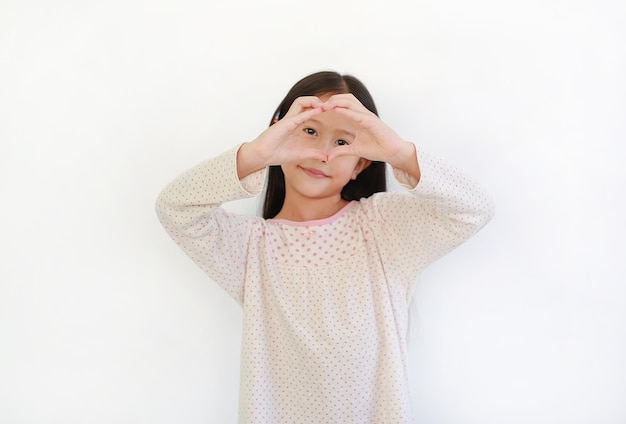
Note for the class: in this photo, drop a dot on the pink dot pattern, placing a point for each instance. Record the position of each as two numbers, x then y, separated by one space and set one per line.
325 302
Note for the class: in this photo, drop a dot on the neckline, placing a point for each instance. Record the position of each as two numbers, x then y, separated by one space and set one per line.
316 222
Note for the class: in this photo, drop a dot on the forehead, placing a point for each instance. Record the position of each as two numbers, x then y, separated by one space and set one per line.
331 120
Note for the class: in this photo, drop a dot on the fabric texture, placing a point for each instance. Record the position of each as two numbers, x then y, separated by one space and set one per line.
325 302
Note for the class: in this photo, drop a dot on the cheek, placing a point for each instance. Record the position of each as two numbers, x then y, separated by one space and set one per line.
347 164
287 170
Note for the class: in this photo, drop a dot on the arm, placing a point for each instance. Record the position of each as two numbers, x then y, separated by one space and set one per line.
188 209
443 210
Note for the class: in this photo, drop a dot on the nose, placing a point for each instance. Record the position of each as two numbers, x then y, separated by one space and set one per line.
325 146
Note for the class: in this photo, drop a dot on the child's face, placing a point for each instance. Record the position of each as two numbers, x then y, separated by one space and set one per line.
315 178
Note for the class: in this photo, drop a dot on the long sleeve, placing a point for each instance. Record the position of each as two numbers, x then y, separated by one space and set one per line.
443 210
188 209
326 302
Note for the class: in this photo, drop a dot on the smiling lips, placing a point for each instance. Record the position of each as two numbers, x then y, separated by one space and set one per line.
315 173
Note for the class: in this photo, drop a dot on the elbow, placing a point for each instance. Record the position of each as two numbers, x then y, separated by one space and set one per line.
489 210
485 214
160 207
471 223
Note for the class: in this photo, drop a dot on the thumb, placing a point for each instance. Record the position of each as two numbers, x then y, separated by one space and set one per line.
341 151
315 154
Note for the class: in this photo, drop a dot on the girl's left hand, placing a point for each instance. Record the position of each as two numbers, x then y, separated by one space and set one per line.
374 140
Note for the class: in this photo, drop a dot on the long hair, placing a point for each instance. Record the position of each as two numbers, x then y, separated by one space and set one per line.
369 181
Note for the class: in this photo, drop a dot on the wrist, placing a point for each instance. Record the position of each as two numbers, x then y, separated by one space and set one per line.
406 160
249 159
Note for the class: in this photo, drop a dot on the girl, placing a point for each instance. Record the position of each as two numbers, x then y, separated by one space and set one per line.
325 276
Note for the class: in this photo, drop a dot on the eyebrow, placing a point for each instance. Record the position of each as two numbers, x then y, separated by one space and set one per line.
339 130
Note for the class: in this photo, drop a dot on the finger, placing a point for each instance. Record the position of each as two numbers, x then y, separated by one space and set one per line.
343 97
314 154
304 103
356 115
344 100
342 151
303 116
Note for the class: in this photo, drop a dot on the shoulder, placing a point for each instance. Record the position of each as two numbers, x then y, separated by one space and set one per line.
237 222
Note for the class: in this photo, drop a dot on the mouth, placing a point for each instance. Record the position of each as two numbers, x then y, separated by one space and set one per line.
315 173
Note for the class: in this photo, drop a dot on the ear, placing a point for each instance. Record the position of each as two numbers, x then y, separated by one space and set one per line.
360 166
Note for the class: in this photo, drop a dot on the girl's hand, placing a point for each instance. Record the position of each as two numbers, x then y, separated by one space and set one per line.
374 139
282 142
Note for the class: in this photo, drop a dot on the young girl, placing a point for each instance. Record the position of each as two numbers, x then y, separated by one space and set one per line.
325 276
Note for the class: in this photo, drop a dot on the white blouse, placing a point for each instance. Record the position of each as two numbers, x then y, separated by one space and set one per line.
325 302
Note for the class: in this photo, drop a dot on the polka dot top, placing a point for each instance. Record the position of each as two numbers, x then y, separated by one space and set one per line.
325 302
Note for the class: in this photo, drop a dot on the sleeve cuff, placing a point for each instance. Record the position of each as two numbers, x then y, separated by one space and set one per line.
251 184
406 180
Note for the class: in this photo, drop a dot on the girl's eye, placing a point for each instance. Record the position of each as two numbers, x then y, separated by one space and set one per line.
341 143
310 131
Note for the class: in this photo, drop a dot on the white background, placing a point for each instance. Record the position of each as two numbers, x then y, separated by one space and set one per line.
104 320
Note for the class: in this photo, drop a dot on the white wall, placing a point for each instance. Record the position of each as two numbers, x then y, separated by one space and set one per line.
104 320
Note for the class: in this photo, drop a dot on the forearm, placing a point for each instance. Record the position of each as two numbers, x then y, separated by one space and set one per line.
201 189
454 199
189 211
453 195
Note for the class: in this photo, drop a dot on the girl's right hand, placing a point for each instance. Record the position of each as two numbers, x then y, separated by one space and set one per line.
282 142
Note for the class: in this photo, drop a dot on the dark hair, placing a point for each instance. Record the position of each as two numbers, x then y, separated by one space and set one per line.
369 181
